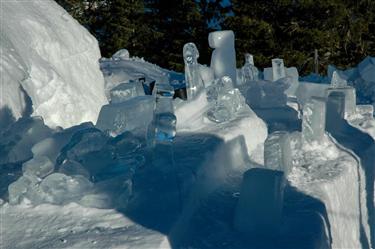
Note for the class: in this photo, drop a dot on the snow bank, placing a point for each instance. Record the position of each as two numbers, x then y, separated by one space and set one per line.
334 175
54 59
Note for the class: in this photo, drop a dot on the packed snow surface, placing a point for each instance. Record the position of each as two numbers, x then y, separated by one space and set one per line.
49 65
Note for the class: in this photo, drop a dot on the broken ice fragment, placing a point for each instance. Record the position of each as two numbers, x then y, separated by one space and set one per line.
337 80
72 168
40 166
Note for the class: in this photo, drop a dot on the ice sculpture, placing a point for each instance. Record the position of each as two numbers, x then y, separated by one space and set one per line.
126 91
277 152
223 60
207 75
163 126
194 82
249 72
337 80
228 100
259 209
314 120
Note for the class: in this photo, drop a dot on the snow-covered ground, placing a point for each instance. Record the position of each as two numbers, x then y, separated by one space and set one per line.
103 184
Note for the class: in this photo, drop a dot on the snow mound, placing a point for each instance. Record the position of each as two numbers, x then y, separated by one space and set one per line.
48 56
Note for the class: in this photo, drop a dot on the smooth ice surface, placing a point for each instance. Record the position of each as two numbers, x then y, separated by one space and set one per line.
349 96
223 60
267 94
293 76
193 79
259 209
314 120
55 61
72 168
130 115
126 91
38 167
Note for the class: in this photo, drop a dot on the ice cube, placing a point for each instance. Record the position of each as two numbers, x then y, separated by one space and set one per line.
223 60
278 69
133 115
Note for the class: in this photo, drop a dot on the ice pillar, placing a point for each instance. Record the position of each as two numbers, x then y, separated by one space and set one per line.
223 60
314 120
277 152
194 82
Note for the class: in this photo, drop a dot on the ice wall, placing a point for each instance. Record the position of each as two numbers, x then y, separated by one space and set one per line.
54 59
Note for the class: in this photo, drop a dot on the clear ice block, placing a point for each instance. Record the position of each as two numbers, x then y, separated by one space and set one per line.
314 120
194 82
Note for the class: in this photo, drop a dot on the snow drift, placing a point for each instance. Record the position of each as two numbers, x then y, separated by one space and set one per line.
48 56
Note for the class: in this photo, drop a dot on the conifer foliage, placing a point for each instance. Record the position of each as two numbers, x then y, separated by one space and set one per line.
343 31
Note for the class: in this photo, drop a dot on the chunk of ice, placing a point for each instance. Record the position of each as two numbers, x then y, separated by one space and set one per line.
122 54
194 82
223 60
60 188
277 152
126 91
132 115
314 120
38 166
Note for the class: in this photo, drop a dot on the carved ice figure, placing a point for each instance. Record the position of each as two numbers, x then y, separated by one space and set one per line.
259 209
277 152
337 80
314 120
223 60
249 72
194 82
163 127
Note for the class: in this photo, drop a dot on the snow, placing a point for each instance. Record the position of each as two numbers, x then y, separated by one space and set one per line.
74 226
48 57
